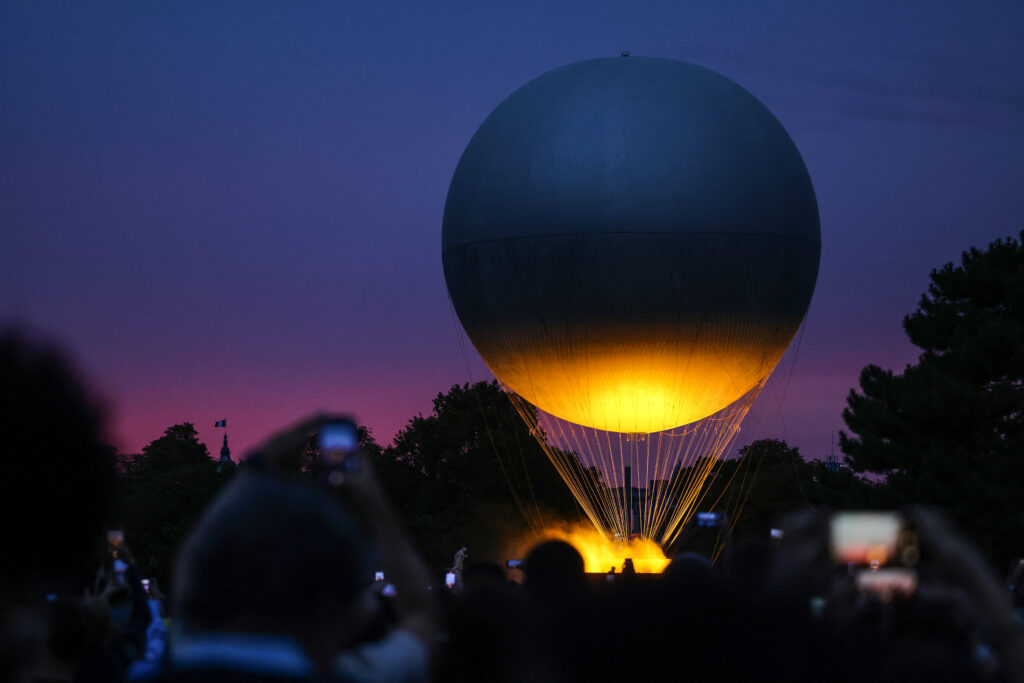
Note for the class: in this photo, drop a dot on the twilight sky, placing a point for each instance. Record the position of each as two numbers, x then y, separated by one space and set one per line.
233 209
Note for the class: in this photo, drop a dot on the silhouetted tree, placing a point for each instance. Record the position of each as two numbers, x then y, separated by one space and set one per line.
949 429
770 479
470 473
166 488
180 445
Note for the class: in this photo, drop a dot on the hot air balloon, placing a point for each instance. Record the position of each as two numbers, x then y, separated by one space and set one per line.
631 244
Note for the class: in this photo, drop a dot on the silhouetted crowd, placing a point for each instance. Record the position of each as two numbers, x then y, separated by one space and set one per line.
296 578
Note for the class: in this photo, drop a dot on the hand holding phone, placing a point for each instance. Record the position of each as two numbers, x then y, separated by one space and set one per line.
338 446
872 539
282 453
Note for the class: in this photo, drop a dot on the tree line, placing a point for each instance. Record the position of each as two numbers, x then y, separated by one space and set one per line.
947 431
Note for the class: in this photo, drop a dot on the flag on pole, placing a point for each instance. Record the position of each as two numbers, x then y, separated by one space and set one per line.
222 423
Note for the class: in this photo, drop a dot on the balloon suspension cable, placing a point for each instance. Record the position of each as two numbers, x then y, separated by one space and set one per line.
669 468
534 518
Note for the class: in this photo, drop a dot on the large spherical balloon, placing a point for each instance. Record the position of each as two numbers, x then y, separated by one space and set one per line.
631 243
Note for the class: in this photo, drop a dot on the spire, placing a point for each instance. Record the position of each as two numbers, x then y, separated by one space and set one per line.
832 460
225 456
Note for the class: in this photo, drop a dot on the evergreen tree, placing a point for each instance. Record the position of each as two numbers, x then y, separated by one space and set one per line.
949 429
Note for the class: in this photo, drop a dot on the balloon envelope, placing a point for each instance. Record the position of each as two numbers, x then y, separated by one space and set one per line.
631 243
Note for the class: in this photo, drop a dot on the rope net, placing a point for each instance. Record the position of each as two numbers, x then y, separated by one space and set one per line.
629 485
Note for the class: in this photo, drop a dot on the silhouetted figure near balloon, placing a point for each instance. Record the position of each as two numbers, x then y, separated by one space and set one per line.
553 570
565 613
456 568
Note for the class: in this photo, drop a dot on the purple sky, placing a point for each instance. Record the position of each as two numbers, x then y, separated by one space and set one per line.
233 209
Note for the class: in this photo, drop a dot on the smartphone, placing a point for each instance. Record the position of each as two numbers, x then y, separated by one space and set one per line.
776 534
872 539
710 519
115 537
145 585
449 579
514 564
378 576
338 442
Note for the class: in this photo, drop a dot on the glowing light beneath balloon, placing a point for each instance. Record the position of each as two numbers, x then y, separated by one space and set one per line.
600 554
633 484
